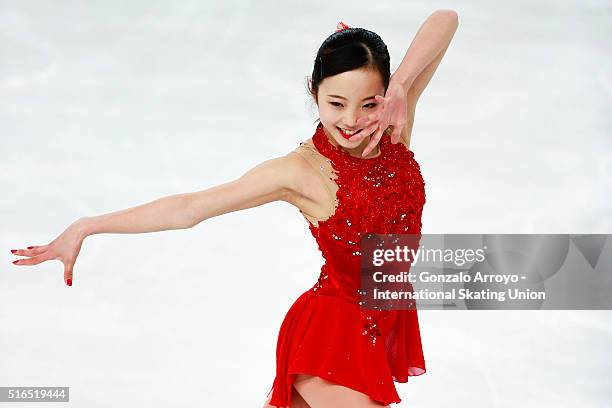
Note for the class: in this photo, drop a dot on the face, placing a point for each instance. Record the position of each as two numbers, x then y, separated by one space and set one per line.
343 99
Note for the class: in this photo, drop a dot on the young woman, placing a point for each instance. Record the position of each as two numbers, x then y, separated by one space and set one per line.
355 175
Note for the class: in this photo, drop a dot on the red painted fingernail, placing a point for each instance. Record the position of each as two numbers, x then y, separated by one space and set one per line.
16 260
13 250
69 282
30 247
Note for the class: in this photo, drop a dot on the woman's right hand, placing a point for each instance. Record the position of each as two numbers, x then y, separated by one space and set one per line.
65 248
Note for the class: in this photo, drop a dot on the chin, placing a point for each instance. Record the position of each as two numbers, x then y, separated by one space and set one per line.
345 142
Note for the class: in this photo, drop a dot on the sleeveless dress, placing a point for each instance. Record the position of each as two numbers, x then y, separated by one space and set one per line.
326 333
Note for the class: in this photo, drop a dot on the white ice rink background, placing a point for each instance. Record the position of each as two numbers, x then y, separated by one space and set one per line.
106 105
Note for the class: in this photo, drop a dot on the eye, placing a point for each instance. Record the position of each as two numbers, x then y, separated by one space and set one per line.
369 105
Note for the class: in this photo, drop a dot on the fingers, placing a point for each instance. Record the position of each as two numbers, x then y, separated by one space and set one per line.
372 117
373 142
368 132
397 132
34 260
374 139
383 124
395 136
362 120
68 274
371 127
38 254
32 250
376 122
366 120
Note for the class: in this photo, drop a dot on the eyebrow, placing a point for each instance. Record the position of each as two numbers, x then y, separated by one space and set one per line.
342 97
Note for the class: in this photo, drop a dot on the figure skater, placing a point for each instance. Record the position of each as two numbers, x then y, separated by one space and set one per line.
355 175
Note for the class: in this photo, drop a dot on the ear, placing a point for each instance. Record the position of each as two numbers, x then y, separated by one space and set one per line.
315 96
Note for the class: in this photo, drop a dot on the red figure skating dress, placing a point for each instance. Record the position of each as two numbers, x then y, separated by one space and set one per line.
326 332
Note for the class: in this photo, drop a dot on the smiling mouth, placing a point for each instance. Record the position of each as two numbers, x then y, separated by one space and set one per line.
348 136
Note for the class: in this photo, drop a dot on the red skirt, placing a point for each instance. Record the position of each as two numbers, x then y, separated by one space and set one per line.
324 336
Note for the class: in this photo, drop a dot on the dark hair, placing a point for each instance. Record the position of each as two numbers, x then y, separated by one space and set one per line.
346 50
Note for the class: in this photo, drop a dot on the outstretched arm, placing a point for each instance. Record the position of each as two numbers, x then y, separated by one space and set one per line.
271 180
274 179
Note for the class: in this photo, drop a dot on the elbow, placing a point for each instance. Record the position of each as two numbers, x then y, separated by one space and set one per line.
187 217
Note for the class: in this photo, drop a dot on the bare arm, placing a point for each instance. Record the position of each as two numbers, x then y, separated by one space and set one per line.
412 76
274 179
426 51
421 61
165 213
271 180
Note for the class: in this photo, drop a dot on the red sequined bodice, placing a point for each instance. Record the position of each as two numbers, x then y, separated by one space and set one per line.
380 195
327 332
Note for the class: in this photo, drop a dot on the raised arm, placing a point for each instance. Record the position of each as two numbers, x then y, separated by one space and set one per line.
411 78
425 52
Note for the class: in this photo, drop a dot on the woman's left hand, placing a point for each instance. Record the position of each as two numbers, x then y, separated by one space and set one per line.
391 112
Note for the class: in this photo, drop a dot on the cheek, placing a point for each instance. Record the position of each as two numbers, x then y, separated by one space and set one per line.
328 116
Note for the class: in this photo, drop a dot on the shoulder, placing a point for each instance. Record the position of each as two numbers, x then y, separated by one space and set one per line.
305 154
291 162
294 169
298 156
308 171
277 176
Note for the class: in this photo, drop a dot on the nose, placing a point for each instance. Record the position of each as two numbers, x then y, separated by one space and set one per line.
350 120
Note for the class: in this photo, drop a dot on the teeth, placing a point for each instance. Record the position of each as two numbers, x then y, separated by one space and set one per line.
349 132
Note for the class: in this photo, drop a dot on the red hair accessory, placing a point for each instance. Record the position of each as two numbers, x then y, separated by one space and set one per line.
341 26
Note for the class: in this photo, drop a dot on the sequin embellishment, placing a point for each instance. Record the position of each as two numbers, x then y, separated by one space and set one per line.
371 329
383 195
